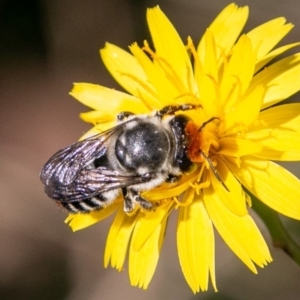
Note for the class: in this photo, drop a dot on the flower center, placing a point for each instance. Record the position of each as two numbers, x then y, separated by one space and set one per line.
203 145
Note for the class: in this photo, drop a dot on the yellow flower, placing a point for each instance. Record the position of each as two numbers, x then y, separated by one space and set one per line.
233 85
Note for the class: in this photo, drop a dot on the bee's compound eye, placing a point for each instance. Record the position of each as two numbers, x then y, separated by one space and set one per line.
144 145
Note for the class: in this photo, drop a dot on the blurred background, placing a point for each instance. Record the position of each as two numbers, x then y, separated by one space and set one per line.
45 46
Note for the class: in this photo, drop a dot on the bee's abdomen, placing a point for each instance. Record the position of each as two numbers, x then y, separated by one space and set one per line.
84 206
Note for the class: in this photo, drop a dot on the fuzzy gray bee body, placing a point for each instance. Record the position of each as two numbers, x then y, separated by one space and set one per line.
138 154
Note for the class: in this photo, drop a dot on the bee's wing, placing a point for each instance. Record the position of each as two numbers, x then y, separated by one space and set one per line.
92 182
63 167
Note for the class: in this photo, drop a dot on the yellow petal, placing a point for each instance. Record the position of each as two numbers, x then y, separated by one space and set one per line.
107 101
128 73
270 56
81 221
98 129
118 240
208 96
208 57
238 73
240 233
234 199
206 74
196 246
282 80
96 116
170 191
164 88
227 27
277 144
266 36
142 263
238 147
147 224
169 46
270 183
246 112
284 117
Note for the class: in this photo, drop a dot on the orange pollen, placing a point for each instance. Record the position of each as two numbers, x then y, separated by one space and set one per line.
194 142
202 142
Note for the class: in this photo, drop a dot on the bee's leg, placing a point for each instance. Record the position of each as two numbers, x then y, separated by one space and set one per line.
143 203
128 203
132 197
172 109
124 115
172 178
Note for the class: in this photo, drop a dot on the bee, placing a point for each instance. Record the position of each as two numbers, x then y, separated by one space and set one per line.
138 154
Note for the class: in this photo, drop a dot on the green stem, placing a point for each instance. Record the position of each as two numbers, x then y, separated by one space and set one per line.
280 237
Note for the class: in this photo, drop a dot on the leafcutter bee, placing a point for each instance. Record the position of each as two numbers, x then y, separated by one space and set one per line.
138 154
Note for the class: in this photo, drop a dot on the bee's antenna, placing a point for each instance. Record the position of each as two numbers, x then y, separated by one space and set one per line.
216 173
208 121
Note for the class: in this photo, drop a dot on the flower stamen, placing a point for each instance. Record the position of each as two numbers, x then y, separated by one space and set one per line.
187 198
166 67
142 84
200 186
191 46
